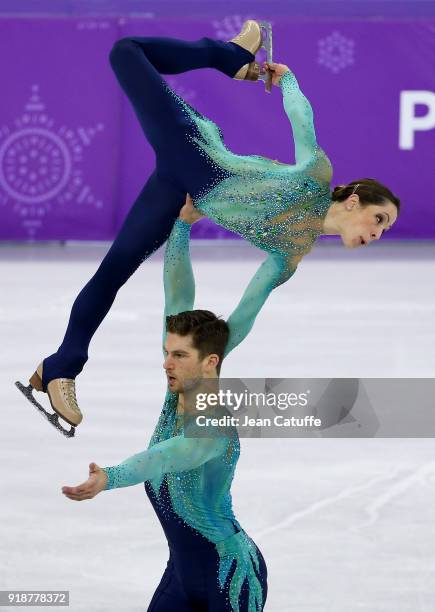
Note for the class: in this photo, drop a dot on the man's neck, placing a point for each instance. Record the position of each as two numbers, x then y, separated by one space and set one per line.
180 404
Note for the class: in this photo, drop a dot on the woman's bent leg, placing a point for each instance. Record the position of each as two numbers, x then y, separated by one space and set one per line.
173 55
146 227
138 63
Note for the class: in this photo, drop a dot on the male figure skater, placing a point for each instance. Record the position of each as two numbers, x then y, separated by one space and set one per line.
213 564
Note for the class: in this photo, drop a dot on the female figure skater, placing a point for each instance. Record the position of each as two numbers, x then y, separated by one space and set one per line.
280 208
213 564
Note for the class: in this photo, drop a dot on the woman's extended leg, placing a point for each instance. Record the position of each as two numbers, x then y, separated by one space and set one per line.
137 63
146 227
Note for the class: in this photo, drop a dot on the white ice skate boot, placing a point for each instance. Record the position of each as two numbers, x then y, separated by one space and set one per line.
255 35
62 396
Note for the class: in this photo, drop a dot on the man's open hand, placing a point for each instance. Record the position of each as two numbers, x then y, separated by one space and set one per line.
95 484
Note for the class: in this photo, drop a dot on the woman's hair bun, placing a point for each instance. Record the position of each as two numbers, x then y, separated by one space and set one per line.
369 190
338 190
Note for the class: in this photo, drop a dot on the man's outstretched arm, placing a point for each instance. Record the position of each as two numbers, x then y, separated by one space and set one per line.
177 454
178 279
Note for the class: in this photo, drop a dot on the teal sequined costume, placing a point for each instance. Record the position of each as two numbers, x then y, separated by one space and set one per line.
277 207
188 479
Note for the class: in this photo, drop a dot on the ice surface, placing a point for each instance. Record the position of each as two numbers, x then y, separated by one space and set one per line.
344 524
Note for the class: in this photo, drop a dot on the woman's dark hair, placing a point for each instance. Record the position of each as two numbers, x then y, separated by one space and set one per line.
369 191
209 332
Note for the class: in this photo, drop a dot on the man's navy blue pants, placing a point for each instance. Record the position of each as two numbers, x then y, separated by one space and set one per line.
190 580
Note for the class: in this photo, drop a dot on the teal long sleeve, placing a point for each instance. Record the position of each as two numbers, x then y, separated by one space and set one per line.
272 272
177 454
178 279
300 114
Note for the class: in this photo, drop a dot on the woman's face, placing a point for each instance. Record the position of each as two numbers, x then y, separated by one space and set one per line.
363 224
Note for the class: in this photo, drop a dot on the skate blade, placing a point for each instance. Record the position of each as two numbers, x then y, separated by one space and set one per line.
266 32
266 35
52 417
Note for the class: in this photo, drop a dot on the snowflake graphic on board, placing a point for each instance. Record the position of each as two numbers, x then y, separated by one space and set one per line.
40 165
229 26
336 52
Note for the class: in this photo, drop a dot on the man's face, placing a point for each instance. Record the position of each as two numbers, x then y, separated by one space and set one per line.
182 362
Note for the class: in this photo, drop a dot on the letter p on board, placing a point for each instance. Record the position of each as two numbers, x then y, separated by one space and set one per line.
409 122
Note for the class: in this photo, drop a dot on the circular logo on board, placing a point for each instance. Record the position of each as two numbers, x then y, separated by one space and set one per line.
41 165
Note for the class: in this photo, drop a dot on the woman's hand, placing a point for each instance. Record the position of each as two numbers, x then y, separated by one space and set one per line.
189 214
95 484
276 71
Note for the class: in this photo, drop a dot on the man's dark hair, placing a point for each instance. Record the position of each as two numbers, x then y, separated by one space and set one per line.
209 332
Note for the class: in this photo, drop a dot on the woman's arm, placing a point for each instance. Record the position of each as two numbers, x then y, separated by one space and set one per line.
300 114
298 110
274 271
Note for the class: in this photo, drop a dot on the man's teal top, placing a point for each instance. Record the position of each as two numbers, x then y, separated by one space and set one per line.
279 208
198 471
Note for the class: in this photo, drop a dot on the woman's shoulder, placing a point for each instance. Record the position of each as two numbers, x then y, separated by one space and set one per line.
319 166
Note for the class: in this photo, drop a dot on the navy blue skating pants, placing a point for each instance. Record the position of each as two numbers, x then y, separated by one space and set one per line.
138 64
190 580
